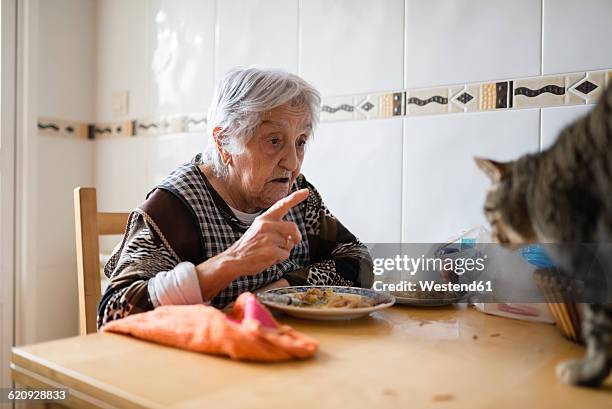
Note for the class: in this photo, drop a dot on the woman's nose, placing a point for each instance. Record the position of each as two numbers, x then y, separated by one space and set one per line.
290 159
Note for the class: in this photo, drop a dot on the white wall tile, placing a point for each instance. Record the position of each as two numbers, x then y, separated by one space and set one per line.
356 166
127 169
256 32
63 165
108 243
555 119
181 51
455 41
66 60
577 35
352 46
57 306
443 190
166 152
122 57
121 173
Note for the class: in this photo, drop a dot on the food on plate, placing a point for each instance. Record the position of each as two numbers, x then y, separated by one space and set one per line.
327 298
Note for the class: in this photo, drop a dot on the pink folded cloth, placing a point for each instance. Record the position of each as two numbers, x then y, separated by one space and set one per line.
247 332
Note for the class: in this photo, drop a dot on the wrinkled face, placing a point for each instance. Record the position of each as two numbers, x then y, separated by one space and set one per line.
505 206
271 161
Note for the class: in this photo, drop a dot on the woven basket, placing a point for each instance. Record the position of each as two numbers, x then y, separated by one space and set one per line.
560 294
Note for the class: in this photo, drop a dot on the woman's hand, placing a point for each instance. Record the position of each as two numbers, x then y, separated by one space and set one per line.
267 241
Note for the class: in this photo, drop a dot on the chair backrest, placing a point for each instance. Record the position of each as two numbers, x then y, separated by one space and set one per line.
89 226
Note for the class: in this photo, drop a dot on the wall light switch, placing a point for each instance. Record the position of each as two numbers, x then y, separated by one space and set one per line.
120 103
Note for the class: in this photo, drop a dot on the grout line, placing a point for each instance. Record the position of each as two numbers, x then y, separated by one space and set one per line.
215 57
541 127
299 38
402 170
542 37
148 49
405 44
402 153
15 185
146 143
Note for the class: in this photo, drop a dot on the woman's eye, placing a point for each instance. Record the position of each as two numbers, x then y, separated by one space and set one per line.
302 141
275 141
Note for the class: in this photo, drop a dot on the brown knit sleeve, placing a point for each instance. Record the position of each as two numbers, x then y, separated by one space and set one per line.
177 223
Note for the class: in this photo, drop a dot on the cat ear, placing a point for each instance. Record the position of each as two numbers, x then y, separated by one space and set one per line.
495 170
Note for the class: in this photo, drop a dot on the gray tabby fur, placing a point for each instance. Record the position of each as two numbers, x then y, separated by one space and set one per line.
564 195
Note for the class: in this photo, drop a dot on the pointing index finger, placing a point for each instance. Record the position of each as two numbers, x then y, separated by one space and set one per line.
279 209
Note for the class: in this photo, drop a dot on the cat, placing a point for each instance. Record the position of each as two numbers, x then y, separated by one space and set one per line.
564 195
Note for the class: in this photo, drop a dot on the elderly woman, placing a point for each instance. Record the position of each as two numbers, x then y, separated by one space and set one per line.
239 218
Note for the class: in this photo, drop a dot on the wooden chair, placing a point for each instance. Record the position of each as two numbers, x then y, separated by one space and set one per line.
89 226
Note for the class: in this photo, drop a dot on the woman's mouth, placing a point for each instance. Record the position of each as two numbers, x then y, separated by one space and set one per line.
280 180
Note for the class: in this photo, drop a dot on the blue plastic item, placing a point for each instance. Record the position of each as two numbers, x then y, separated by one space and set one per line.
467 243
536 255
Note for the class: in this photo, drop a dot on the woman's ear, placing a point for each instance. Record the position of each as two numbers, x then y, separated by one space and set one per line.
226 158
495 170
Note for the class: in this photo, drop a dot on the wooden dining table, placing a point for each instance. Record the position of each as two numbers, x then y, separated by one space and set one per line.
401 357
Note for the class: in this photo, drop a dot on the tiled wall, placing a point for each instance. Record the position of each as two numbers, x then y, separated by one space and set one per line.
411 179
387 178
65 89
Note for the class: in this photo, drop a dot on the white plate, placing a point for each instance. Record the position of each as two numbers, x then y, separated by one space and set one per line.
382 301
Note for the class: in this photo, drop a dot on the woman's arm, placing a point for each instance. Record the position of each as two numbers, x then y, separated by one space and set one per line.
141 255
146 272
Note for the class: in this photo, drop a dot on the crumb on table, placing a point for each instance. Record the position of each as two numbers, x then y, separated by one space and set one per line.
441 397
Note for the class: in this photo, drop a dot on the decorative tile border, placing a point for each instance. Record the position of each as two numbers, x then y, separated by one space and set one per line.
535 92
60 127
194 122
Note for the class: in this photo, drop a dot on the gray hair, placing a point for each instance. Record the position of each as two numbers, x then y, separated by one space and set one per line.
240 100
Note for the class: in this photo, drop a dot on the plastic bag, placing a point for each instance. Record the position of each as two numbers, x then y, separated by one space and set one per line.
535 312
510 277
